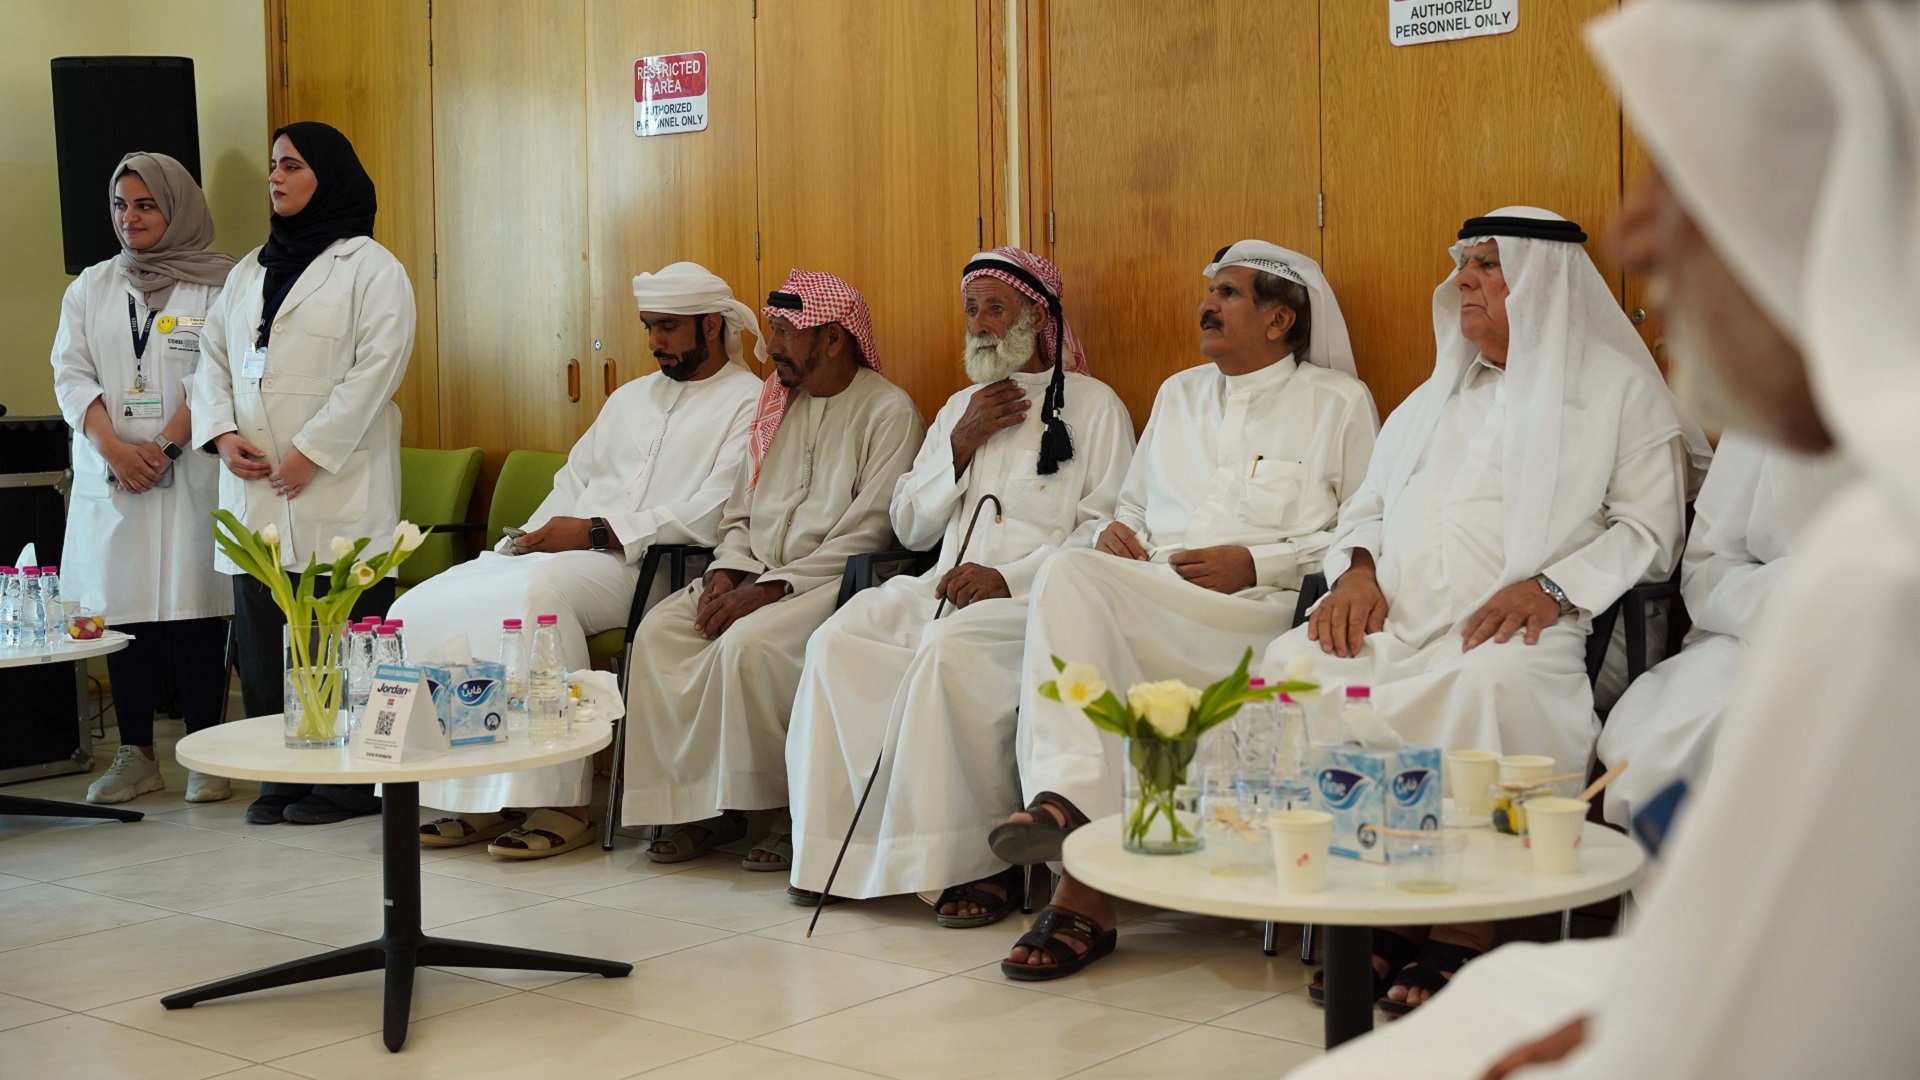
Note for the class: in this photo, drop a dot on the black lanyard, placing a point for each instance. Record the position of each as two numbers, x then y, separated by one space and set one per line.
140 338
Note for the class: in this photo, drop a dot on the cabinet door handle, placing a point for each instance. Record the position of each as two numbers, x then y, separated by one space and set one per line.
611 376
573 380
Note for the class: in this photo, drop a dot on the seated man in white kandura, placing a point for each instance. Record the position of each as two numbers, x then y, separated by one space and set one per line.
707 708
1779 943
1542 471
1749 512
1230 501
1045 446
656 467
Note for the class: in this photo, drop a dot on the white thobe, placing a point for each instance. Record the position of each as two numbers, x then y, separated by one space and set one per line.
146 557
1264 461
659 463
708 719
942 696
1778 944
1750 510
1441 553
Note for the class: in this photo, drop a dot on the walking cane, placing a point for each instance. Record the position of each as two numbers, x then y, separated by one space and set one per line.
938 610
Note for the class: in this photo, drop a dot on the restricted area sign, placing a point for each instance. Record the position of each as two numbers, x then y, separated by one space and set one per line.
670 94
1415 22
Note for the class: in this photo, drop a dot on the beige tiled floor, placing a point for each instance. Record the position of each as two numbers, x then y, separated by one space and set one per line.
99 920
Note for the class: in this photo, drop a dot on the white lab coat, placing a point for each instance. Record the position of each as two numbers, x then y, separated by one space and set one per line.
340 346
134 558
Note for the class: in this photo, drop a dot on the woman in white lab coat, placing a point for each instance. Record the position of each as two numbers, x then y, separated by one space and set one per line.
139 541
304 351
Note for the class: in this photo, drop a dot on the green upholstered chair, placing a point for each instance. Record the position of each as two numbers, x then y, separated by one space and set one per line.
436 487
526 478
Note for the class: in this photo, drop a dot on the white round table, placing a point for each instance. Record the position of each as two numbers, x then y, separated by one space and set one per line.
60 650
1496 882
255 750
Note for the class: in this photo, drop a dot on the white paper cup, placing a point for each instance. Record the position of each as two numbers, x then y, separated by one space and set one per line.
1524 769
1472 774
1300 839
1554 825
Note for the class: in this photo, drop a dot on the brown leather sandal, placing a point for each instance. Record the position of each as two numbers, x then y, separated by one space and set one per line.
1054 924
1039 840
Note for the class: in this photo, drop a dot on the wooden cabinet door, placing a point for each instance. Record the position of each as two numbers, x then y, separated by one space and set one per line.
870 167
1176 129
665 198
510 200
361 65
1419 138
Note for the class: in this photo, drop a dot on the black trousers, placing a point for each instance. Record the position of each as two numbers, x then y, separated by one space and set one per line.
257 629
194 650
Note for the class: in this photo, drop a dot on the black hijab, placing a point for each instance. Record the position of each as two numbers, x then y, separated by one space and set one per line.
342 206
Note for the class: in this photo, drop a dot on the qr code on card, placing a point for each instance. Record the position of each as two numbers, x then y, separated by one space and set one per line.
383 723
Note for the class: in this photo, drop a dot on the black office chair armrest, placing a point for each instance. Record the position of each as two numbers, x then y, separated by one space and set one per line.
676 557
1312 588
1634 607
859 573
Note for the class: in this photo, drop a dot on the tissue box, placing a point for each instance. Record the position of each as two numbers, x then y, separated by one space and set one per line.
1365 789
470 699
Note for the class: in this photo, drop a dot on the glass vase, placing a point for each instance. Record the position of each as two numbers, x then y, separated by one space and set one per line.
314 689
1159 809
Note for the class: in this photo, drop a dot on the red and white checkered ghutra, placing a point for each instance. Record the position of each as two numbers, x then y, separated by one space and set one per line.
824 299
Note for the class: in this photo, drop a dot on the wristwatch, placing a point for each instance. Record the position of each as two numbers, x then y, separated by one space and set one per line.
171 449
598 534
1559 595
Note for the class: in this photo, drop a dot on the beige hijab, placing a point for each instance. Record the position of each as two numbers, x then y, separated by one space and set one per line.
182 253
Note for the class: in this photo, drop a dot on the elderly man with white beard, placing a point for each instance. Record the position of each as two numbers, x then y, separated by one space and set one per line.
1780 227
1540 473
1230 501
941 695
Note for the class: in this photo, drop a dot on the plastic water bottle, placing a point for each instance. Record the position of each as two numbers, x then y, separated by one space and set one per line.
399 637
33 610
9 606
56 612
359 671
547 686
513 657
1293 757
387 646
1256 737
1357 715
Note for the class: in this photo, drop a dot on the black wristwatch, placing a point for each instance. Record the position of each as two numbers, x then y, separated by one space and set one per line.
598 534
171 449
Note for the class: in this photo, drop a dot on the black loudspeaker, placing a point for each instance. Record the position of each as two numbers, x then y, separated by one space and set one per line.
104 108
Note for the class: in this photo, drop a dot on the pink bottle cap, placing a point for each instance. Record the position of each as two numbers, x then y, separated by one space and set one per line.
49 569
1256 683
31 571
397 624
1285 699
388 630
549 620
1358 692
509 624
9 569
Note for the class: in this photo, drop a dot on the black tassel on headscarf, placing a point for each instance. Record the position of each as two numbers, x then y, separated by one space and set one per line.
1056 442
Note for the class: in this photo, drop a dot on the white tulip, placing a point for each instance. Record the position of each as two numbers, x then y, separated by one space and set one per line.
407 536
1300 669
270 535
342 547
362 574
1164 704
1080 685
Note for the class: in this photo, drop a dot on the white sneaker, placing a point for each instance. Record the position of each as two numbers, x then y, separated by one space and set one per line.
130 774
206 787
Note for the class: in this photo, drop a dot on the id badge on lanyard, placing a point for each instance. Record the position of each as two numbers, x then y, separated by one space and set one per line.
254 364
140 403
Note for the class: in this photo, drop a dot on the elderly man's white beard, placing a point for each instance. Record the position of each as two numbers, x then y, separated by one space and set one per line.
1701 386
990 359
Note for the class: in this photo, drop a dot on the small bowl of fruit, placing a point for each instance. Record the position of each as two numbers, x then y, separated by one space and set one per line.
85 625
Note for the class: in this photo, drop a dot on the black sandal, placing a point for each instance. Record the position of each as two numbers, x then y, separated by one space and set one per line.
1431 971
1397 950
809 898
1067 960
1039 840
1009 881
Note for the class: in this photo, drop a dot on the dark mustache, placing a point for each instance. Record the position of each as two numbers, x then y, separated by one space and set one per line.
1209 322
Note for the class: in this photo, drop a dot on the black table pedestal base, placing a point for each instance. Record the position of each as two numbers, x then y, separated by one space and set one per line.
403 947
1349 981
26 807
